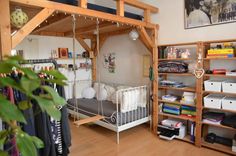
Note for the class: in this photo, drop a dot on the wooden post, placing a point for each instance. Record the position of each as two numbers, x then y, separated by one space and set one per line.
199 88
120 5
83 3
155 82
94 60
147 15
5 28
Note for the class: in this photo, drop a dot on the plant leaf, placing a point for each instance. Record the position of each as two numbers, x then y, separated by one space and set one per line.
29 85
29 73
3 136
25 144
9 111
55 73
37 142
9 82
49 107
3 153
59 101
23 105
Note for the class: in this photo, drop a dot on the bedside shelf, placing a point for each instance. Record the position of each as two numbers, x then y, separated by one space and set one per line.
188 89
186 139
176 102
177 116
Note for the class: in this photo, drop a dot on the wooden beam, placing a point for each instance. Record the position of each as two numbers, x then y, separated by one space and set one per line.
147 15
89 28
120 7
30 26
118 32
50 33
142 5
83 44
5 28
84 12
143 33
55 20
83 3
150 49
155 83
88 120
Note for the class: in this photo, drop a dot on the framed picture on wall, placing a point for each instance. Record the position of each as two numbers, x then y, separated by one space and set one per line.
63 52
199 13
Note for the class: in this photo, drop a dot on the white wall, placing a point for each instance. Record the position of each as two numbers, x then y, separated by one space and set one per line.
40 47
129 60
171 21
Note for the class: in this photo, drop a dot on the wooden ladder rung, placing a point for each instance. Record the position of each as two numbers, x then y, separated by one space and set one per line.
88 120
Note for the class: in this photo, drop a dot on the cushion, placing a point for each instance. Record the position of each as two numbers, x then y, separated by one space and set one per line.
88 93
102 94
96 85
110 91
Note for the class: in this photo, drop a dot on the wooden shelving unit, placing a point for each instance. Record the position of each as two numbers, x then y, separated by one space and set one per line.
204 128
201 127
165 89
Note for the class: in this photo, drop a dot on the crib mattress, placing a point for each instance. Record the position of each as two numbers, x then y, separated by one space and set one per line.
92 106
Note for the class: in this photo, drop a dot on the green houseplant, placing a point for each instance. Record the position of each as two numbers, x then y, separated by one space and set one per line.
11 113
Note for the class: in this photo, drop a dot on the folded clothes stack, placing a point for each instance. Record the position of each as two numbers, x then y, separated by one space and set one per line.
167 83
213 117
169 97
188 111
171 109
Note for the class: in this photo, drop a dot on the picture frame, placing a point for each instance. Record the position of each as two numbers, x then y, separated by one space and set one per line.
146 65
201 13
63 53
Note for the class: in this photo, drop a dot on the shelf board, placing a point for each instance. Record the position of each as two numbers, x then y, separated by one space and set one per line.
178 44
176 74
218 147
69 58
175 59
233 58
176 102
189 89
186 139
223 110
222 93
219 75
177 116
220 126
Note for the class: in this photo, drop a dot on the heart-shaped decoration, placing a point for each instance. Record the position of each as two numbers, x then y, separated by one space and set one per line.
199 73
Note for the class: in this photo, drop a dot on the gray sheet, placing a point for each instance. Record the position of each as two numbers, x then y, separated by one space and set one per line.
89 106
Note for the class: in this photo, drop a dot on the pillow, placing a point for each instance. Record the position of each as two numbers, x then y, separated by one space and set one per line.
88 93
110 91
96 86
102 94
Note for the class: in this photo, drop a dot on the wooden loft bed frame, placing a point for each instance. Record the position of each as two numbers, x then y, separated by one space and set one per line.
50 18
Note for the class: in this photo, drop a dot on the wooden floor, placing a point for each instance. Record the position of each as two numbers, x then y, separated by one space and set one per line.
139 141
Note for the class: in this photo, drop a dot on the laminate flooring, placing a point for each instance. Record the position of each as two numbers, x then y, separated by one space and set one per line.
93 140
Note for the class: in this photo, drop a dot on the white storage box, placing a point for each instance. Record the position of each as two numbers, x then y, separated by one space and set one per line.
229 86
213 85
213 101
229 103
